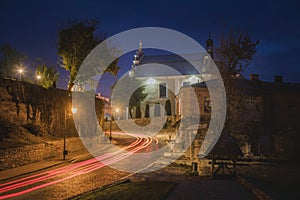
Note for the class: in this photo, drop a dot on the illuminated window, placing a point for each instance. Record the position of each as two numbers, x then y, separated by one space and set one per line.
151 81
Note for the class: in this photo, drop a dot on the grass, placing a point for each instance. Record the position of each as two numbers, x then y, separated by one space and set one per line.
134 191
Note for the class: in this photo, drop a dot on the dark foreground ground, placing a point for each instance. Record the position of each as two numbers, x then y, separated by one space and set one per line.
274 181
193 188
279 181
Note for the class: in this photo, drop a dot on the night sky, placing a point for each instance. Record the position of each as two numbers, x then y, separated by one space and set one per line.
32 27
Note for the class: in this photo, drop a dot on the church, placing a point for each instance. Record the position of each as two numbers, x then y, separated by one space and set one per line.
164 77
269 108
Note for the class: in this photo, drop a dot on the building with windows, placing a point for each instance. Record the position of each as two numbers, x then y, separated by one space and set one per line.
273 105
164 76
269 109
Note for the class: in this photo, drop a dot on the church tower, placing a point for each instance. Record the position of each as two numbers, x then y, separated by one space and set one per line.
210 46
138 55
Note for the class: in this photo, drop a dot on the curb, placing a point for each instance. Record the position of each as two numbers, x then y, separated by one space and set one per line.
115 183
70 160
254 190
41 169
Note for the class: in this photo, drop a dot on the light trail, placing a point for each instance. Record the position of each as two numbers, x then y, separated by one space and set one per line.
59 171
76 174
73 166
76 169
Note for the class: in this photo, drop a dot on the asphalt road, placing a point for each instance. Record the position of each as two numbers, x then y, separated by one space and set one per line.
72 179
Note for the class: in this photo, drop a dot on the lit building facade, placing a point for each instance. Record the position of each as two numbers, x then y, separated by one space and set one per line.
164 76
273 105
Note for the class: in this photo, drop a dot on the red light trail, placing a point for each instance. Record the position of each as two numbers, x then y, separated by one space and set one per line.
73 170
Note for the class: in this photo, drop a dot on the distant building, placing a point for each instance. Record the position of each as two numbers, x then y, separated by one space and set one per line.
274 104
271 106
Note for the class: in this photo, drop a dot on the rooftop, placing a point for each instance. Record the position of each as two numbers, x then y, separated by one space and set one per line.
178 65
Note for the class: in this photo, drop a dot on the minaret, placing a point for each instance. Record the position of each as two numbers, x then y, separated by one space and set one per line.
210 46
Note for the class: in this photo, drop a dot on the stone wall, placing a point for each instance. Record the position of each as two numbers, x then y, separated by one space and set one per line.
16 157
38 110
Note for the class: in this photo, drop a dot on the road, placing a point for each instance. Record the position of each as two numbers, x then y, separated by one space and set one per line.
70 180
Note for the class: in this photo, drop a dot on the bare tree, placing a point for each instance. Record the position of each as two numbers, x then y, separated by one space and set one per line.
235 52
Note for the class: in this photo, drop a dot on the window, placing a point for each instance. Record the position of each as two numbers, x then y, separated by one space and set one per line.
275 108
147 111
138 113
207 104
157 110
168 107
186 83
162 90
253 103
292 109
257 107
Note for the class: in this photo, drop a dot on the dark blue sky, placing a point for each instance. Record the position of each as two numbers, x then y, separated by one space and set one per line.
32 27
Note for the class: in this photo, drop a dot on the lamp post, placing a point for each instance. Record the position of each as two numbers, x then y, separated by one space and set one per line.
21 71
117 111
110 124
67 116
74 110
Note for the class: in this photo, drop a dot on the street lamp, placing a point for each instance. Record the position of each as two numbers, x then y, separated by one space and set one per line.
110 124
117 111
20 71
68 115
74 110
38 77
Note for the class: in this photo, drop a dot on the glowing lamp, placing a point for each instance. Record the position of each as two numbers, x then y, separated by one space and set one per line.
74 110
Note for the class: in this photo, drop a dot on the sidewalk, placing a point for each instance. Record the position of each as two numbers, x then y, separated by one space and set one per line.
40 165
206 188
44 164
